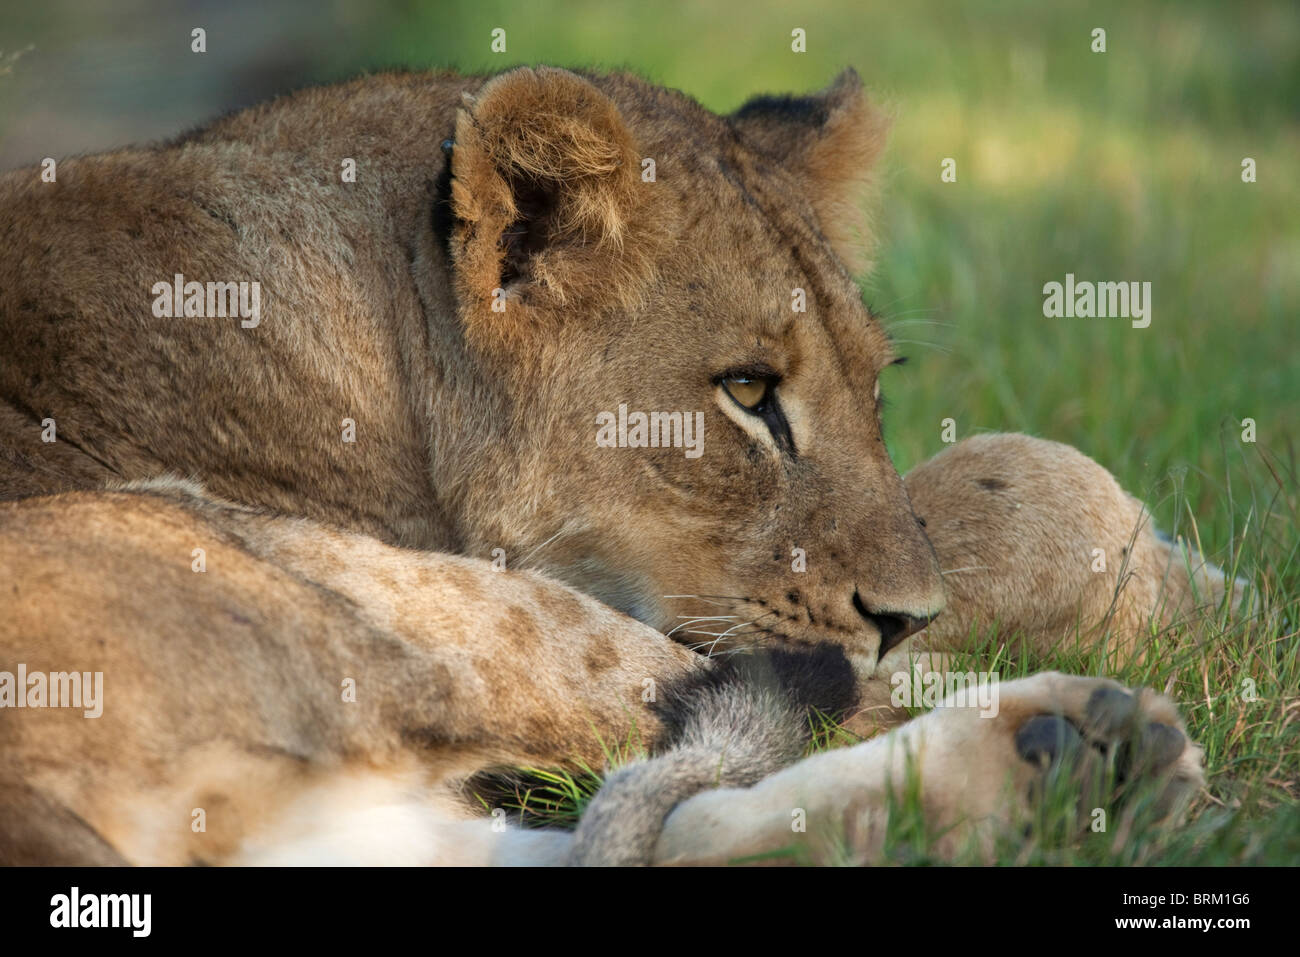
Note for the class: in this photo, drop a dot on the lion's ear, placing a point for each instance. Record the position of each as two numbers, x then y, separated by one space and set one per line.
546 197
829 141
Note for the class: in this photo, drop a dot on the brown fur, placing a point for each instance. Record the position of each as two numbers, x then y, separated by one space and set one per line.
1016 521
224 692
223 689
475 431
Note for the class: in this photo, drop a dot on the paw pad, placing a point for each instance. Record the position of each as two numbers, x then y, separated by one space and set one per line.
1044 739
1157 746
1112 721
1110 713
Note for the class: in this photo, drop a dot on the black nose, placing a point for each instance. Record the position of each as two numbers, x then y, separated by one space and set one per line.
893 626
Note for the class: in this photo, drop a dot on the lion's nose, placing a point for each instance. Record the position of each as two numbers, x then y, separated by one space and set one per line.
893 626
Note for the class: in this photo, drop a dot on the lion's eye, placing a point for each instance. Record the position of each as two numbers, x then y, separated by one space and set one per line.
747 392
754 390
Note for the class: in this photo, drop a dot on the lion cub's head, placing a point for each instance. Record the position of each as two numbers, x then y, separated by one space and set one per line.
662 384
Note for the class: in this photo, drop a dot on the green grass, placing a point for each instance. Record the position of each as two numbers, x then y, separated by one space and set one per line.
551 797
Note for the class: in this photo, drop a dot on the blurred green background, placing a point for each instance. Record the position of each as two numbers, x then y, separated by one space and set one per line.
1123 165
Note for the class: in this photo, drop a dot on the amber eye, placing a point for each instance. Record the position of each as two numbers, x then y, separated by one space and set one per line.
748 392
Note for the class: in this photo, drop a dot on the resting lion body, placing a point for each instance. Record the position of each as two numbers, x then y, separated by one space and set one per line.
402 480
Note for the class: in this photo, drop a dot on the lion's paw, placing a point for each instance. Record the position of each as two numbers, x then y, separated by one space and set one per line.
1091 739
981 773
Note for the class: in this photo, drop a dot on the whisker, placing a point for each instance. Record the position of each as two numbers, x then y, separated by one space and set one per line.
736 628
526 558
738 649
879 310
747 623
718 636
726 597
715 634
910 319
725 601
921 342
693 621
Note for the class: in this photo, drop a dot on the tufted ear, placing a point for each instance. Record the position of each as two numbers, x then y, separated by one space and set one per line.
548 202
829 141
